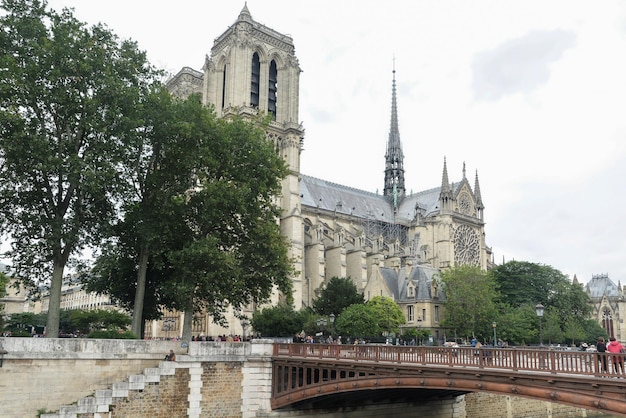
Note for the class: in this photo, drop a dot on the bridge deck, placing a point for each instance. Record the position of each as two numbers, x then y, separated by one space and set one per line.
303 371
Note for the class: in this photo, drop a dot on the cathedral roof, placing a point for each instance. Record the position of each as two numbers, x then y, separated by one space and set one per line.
338 198
343 199
421 276
600 285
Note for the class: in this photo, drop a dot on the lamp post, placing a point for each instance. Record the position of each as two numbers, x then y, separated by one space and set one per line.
494 324
539 310
331 319
244 326
321 324
419 331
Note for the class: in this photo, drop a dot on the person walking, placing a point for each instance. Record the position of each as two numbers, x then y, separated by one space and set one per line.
601 349
618 361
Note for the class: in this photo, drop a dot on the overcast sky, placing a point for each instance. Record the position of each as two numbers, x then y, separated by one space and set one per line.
531 94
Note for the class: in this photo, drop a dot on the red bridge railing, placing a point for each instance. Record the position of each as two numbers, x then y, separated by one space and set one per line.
516 359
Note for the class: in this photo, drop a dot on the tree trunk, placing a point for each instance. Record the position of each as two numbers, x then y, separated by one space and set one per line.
54 301
188 320
140 292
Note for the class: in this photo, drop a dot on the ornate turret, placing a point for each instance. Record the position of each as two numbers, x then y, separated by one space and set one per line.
479 200
445 196
394 158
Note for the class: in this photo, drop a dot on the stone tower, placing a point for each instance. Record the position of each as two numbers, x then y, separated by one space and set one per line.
253 70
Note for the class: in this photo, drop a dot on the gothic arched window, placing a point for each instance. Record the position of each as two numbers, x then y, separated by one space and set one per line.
272 93
254 83
224 87
607 322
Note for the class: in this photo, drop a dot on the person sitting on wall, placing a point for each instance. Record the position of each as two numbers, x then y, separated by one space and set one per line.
171 356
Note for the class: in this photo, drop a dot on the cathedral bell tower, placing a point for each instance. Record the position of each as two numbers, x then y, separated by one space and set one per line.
253 70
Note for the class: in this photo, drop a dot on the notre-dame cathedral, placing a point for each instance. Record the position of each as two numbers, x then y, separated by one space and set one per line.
392 244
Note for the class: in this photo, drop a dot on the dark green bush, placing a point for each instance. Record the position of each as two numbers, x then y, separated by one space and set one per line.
110 334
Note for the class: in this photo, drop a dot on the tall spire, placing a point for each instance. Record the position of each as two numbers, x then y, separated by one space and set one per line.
445 195
479 199
394 158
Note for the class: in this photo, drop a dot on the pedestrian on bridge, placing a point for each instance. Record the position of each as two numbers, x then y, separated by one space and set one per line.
601 349
616 348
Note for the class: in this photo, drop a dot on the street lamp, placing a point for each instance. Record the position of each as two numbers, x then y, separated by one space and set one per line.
244 326
321 324
419 331
494 324
539 310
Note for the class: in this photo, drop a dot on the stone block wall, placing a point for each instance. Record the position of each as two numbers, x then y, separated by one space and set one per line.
478 404
221 389
167 399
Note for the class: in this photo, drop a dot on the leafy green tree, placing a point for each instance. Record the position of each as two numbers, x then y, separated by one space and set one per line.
161 171
206 219
279 321
526 284
337 296
593 330
517 326
86 321
552 331
25 324
230 251
68 95
471 297
388 314
574 331
359 320
4 282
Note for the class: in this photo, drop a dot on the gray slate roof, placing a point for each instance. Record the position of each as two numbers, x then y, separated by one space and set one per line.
421 276
600 285
331 196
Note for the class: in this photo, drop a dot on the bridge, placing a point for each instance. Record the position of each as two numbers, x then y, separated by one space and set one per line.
308 372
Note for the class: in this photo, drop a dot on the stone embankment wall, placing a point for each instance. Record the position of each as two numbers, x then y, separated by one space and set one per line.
109 376
127 378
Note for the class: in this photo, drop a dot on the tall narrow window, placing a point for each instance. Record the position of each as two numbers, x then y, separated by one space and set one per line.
272 93
254 83
436 313
409 313
224 88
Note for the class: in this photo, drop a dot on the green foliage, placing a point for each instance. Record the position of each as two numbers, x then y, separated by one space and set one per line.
552 332
518 326
388 314
68 100
25 324
523 285
359 321
279 321
4 282
574 331
203 226
337 296
86 321
593 330
471 298
72 323
111 334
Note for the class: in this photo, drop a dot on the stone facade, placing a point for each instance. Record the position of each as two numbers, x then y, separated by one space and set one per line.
608 305
392 244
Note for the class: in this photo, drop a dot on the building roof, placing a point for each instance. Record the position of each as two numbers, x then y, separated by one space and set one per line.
346 200
421 276
601 285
